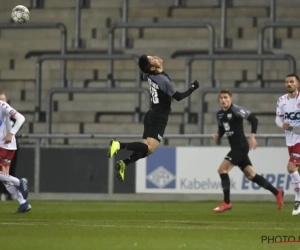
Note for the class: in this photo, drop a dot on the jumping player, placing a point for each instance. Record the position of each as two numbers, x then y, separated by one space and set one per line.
230 122
155 121
16 187
288 118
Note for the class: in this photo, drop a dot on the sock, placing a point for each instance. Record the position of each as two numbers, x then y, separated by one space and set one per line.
134 157
261 181
295 180
135 146
8 178
15 193
225 182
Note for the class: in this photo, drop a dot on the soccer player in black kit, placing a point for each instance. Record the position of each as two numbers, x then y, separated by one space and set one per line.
155 120
230 122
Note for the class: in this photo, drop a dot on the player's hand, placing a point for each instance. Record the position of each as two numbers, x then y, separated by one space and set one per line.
8 138
216 137
252 142
286 125
195 85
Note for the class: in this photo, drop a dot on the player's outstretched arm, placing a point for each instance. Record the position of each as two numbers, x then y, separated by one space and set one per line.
178 96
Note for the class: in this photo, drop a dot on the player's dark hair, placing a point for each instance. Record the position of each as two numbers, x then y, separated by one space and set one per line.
225 91
294 75
144 64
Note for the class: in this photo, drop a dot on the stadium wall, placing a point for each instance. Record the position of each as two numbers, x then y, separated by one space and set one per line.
181 173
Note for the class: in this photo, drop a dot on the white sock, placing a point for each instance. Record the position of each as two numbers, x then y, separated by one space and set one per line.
295 180
8 178
15 193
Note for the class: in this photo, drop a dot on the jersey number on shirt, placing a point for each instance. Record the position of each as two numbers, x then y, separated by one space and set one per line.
154 95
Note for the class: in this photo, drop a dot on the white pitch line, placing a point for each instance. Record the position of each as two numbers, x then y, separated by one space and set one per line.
136 226
157 221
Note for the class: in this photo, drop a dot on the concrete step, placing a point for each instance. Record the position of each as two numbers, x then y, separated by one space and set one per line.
255 107
22 74
22 105
171 45
89 117
75 65
9 5
60 128
67 106
106 4
169 64
26 45
216 12
69 14
147 12
232 22
58 4
263 3
251 33
287 11
31 34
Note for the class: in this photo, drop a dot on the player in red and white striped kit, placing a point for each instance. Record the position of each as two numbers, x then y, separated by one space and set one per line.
16 187
288 118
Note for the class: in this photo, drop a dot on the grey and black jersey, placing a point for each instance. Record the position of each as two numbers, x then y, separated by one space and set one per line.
230 122
161 90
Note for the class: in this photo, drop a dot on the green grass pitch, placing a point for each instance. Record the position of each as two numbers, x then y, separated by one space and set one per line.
145 225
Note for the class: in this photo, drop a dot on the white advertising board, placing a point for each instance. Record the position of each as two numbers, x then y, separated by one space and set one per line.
193 170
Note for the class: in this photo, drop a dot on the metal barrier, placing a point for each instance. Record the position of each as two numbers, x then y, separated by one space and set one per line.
260 42
39 138
206 91
232 57
77 42
191 25
63 37
90 91
223 30
41 59
124 20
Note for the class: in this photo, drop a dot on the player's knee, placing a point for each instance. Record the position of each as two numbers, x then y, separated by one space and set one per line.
250 176
151 149
222 170
291 168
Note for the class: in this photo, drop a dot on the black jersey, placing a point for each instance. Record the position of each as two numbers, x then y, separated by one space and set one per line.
161 90
230 122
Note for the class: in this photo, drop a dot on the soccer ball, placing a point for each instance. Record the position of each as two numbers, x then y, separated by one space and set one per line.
20 14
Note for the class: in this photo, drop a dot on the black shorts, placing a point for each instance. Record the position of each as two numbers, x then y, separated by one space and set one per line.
154 125
239 157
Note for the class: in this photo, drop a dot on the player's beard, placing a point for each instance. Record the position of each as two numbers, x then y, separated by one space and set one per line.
291 90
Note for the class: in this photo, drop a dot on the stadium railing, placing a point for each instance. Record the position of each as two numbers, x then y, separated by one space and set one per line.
54 91
177 25
63 38
260 41
223 20
232 57
78 42
69 57
39 143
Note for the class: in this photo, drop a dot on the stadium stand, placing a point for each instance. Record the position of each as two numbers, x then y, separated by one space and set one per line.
101 113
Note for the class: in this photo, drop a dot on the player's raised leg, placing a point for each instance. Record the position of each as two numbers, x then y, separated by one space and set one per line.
135 156
262 182
115 146
223 171
16 187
